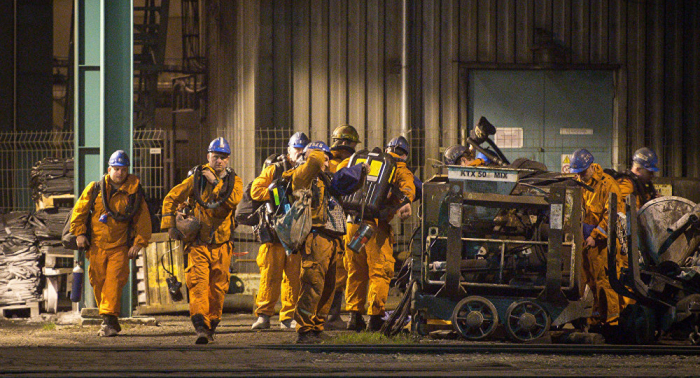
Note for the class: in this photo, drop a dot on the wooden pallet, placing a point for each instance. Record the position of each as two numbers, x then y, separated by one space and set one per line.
21 310
153 296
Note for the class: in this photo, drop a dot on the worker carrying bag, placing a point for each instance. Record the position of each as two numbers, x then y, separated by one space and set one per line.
69 240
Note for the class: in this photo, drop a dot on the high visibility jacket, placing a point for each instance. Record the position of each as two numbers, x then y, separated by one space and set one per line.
112 234
218 223
305 176
596 202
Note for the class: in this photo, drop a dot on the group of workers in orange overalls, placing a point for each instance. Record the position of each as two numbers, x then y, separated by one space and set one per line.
115 226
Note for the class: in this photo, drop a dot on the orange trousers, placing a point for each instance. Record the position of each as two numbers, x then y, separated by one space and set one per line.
607 304
370 271
279 274
317 281
208 277
108 273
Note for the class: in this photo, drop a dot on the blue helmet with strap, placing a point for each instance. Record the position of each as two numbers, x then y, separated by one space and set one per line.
119 159
580 161
399 143
646 158
298 140
319 145
220 145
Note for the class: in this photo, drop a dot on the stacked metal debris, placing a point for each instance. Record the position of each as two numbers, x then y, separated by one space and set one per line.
51 176
19 260
48 223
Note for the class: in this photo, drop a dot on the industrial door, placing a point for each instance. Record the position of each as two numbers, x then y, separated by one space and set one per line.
546 115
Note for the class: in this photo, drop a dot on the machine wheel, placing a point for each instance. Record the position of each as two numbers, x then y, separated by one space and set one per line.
474 318
639 324
526 321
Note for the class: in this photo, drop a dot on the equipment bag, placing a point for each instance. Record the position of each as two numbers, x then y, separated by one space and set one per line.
294 226
69 240
370 201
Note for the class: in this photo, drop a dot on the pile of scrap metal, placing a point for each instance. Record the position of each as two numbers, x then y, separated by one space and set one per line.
51 176
661 243
20 272
500 247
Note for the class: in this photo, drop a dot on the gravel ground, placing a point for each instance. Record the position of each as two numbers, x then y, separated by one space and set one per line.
57 346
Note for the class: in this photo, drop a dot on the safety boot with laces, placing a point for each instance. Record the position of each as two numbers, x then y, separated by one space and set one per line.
201 329
263 322
356 322
110 326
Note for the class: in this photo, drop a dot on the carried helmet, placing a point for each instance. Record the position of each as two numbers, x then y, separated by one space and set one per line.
119 159
453 153
345 132
319 145
188 225
220 145
646 158
398 143
298 140
581 160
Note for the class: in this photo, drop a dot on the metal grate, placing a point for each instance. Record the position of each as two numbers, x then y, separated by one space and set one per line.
20 151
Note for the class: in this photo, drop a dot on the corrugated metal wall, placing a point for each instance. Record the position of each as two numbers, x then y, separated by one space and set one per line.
310 65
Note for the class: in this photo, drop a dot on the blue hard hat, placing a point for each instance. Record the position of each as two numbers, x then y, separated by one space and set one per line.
453 153
646 158
482 156
318 145
219 145
119 159
399 143
580 161
298 140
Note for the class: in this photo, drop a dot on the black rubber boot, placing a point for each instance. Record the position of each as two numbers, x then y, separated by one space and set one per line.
212 329
356 322
375 323
201 329
334 321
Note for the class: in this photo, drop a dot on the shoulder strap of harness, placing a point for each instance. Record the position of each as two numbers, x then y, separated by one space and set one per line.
200 182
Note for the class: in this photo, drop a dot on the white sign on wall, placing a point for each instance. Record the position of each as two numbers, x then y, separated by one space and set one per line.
572 131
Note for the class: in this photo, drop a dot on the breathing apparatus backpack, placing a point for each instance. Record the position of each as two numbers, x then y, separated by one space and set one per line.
257 214
248 210
368 202
188 221
644 192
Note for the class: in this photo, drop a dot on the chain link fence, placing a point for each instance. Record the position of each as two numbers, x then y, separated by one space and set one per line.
20 151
